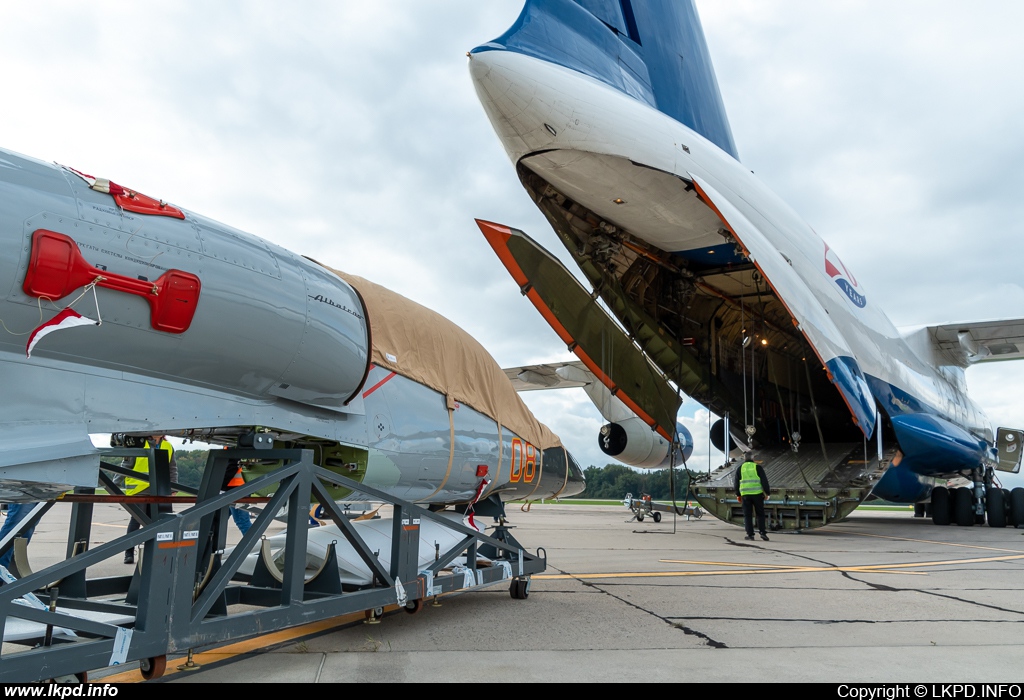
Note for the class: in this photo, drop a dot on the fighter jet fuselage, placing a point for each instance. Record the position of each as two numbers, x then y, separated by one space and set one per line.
144 318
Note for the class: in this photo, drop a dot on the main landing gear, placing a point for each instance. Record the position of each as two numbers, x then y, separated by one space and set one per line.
968 506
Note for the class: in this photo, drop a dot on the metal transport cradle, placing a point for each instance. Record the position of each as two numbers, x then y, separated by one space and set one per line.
186 592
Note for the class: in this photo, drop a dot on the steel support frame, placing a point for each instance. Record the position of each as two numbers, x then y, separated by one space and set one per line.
180 594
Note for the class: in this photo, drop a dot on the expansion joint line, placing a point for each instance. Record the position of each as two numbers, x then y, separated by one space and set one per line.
323 660
893 589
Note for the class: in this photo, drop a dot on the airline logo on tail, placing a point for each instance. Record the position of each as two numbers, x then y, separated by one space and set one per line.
835 269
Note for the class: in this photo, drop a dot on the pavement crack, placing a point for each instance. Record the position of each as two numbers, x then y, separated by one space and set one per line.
820 562
707 640
713 643
869 584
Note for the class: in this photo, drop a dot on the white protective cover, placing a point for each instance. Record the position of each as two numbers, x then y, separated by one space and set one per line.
377 536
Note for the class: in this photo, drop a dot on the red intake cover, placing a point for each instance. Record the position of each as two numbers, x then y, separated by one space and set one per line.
57 268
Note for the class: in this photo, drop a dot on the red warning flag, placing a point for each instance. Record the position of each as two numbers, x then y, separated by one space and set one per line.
68 318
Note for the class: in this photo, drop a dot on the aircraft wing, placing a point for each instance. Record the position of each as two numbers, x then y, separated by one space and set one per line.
570 375
980 341
42 460
586 328
536 377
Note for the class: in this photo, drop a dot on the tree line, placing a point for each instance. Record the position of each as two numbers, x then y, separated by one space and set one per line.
616 480
191 464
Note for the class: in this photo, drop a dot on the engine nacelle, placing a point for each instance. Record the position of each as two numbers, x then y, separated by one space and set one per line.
633 442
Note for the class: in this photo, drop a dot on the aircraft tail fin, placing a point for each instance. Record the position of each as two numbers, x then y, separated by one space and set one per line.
652 50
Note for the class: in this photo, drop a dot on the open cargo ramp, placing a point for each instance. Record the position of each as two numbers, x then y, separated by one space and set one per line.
806 490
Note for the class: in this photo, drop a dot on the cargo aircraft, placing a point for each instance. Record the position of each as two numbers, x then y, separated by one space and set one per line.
703 282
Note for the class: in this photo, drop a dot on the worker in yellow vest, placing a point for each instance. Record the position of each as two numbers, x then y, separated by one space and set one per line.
134 486
751 484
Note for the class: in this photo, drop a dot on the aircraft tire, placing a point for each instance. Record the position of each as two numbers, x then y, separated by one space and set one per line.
940 505
639 517
1017 507
995 505
963 507
657 517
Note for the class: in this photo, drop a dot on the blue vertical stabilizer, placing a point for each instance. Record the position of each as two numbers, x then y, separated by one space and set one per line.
651 50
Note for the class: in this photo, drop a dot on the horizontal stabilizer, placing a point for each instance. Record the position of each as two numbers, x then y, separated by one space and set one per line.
980 341
585 327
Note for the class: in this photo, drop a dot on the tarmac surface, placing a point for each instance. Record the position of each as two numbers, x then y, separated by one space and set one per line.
880 597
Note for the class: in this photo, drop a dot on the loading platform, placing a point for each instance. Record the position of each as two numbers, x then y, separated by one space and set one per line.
809 488
187 592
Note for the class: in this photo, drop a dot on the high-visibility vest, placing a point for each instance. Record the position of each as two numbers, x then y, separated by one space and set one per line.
750 482
134 486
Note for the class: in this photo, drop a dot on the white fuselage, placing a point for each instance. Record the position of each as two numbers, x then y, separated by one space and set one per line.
587 139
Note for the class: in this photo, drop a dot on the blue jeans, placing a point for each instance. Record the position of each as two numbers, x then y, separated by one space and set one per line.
241 518
16 512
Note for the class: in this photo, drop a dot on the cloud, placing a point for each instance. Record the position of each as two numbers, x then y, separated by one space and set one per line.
350 132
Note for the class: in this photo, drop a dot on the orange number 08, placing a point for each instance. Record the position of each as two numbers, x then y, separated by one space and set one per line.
524 461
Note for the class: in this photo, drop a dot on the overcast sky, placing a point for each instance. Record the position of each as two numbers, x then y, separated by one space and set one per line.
350 132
